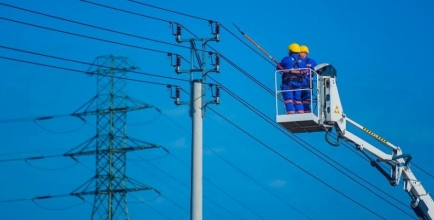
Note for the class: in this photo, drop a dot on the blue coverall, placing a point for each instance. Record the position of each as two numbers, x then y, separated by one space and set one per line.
292 81
306 94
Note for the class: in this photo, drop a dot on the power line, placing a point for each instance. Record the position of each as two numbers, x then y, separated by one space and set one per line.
299 140
38 198
129 12
220 189
155 210
182 193
84 36
245 174
263 86
229 61
271 92
204 19
296 165
75 70
288 160
92 26
186 186
180 13
90 64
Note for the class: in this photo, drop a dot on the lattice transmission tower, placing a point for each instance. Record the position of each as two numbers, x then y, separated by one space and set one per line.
111 143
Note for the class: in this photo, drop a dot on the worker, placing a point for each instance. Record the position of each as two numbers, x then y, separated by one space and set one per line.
308 76
291 80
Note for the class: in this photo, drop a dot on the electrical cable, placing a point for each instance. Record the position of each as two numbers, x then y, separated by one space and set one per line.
59 132
204 19
299 140
149 200
146 122
242 172
72 70
128 12
36 198
91 64
179 191
220 189
420 168
58 209
155 210
46 169
92 26
29 158
299 167
84 36
186 186
157 158
180 13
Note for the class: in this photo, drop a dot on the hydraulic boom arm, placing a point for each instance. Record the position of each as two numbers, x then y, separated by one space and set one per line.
330 115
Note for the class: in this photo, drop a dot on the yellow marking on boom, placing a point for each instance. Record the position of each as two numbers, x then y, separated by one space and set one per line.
375 136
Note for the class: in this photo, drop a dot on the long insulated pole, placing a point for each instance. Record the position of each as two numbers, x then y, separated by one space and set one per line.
259 47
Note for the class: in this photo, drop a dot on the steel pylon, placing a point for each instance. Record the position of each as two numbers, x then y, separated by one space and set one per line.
110 184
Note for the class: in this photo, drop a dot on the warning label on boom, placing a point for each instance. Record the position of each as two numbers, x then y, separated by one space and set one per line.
337 110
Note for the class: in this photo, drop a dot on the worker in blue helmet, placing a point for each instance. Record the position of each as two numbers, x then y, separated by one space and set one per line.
308 76
291 80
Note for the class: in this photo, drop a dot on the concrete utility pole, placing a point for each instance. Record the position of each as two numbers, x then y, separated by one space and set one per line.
197 110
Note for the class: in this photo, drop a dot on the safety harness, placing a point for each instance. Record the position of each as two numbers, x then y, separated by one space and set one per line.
292 77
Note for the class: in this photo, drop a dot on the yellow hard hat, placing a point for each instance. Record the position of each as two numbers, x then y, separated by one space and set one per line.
304 48
294 47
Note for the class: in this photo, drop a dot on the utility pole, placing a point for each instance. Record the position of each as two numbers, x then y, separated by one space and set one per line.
197 109
110 184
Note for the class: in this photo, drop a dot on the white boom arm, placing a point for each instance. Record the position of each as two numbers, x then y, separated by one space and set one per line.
330 114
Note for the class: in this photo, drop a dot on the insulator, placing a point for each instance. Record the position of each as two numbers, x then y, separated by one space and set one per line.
217 62
217 31
178 32
217 91
217 94
177 94
178 63
217 28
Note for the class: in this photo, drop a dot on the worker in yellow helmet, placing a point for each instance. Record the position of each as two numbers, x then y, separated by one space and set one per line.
308 76
291 80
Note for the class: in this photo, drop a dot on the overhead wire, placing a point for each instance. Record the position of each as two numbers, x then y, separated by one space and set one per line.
311 149
92 26
299 167
126 11
248 75
154 209
323 159
243 173
182 193
38 198
263 116
84 36
204 19
58 209
186 186
59 132
75 70
91 64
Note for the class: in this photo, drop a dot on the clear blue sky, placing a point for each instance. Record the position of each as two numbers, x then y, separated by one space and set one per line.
381 49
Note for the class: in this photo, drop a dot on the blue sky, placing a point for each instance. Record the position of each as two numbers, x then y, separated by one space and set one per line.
382 51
